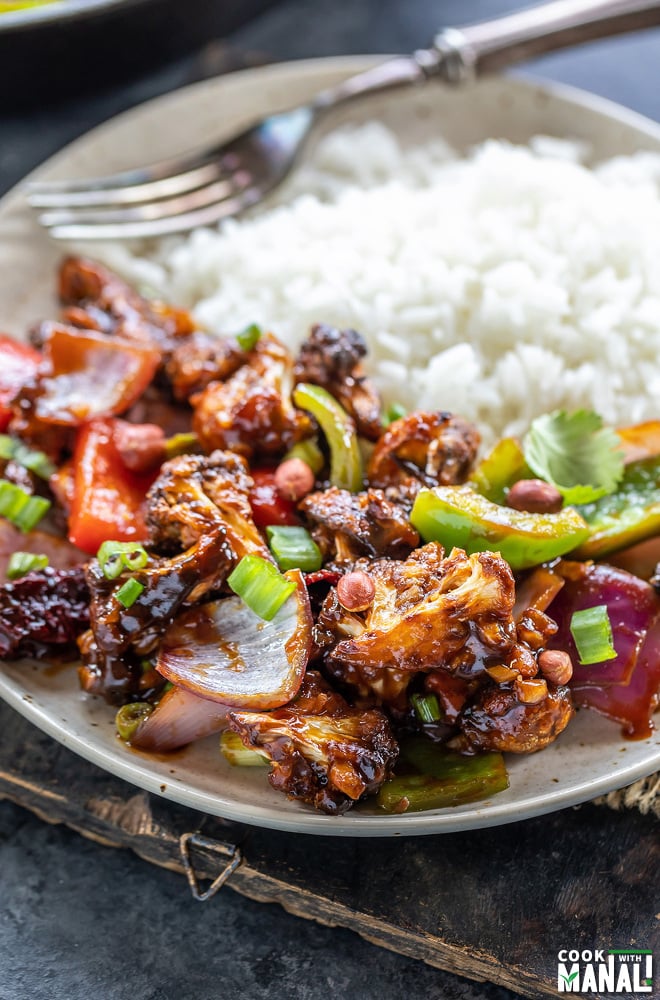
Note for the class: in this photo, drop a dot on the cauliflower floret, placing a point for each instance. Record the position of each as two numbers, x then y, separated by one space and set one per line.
349 525
196 494
322 751
423 449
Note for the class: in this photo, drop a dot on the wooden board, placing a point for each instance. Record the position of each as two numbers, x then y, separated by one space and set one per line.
493 905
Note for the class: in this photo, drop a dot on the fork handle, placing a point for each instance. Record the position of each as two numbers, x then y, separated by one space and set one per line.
459 54
476 49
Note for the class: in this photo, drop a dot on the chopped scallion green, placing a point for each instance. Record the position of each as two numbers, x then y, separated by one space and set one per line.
426 707
294 548
260 585
115 557
129 718
394 412
249 337
35 461
129 592
234 750
181 444
592 633
24 511
22 563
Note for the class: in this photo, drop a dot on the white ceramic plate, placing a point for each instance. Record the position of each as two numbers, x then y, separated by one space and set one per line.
590 758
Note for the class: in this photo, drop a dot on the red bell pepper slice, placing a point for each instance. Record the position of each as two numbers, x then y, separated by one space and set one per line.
18 363
108 497
90 375
268 505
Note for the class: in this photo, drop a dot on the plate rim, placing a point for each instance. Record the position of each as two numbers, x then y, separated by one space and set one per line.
352 824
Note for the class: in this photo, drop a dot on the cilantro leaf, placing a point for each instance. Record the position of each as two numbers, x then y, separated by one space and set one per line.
575 453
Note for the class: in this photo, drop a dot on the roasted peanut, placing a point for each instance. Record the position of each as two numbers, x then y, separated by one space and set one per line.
556 666
535 497
294 479
141 446
356 591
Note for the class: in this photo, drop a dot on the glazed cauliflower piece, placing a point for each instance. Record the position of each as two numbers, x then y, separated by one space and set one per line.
322 750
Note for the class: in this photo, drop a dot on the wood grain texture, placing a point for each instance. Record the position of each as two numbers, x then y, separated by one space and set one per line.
493 905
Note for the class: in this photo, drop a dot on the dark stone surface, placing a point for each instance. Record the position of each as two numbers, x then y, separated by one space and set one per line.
78 920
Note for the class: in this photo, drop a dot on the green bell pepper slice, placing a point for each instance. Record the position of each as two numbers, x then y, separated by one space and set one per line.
629 515
339 428
500 469
457 517
441 778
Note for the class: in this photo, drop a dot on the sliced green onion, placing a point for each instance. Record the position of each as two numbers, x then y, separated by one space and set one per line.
35 461
260 585
24 511
340 433
136 559
7 447
115 557
129 592
22 563
308 451
294 548
129 718
249 337
592 633
234 750
181 444
394 412
426 707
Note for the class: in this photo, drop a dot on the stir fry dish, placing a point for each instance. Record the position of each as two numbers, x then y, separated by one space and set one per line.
232 539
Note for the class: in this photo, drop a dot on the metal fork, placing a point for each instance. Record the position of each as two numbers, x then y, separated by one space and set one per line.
203 187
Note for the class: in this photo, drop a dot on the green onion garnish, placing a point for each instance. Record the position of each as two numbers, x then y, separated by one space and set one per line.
129 718
22 563
249 337
237 754
308 451
260 585
181 444
340 433
294 548
129 592
35 461
426 707
115 557
394 412
592 633
24 511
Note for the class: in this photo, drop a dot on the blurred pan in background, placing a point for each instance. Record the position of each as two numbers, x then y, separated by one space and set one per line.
51 50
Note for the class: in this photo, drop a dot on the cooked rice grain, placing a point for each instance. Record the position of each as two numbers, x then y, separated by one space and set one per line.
498 286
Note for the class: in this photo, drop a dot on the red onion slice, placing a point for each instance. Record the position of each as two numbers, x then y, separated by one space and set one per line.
61 553
179 718
224 652
632 606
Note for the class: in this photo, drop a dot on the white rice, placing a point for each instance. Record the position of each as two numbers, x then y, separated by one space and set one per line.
499 286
